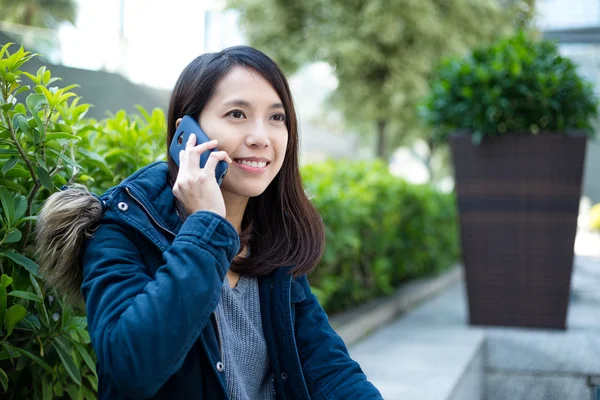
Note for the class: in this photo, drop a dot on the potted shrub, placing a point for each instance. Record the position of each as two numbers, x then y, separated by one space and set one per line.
517 116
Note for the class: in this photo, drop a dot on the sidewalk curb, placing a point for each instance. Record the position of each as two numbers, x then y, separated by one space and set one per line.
355 324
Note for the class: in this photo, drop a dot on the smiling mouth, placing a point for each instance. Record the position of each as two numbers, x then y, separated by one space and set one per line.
253 164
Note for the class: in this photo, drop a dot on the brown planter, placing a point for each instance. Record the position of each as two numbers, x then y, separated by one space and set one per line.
518 199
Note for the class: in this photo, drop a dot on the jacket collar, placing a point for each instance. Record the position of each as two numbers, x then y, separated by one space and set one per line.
150 186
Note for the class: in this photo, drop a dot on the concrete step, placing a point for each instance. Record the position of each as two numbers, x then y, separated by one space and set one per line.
432 353
429 353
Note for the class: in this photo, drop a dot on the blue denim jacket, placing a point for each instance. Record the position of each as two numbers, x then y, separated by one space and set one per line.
151 284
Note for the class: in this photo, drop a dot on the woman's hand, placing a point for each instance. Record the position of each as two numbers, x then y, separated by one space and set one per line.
195 187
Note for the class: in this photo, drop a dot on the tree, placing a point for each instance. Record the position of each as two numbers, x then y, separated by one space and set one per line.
39 13
382 51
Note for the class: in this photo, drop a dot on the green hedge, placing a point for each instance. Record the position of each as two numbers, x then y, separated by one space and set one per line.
46 142
380 231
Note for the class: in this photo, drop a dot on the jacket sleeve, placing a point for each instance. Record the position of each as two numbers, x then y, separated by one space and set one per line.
324 355
142 327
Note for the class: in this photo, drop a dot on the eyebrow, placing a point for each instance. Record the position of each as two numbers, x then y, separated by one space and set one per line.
244 103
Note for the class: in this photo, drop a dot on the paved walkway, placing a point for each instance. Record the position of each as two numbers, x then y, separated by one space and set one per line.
423 354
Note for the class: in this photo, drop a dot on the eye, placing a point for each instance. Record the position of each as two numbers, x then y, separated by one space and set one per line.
236 114
279 117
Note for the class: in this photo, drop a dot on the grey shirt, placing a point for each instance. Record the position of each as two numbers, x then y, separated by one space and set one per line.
245 359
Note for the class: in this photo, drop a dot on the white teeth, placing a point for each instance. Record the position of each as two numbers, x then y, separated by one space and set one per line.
253 164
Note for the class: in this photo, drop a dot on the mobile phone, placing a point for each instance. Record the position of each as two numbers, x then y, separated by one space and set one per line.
187 126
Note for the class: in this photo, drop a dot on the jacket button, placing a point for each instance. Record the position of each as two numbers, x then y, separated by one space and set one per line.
123 206
283 376
220 366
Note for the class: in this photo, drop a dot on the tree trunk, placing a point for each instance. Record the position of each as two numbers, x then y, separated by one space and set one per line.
431 145
381 139
28 17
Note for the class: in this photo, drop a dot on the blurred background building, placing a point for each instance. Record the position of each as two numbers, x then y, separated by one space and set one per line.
575 25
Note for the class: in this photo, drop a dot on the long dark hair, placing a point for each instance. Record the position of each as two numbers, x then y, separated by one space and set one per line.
281 226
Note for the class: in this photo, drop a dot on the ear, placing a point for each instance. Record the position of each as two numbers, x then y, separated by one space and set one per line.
178 122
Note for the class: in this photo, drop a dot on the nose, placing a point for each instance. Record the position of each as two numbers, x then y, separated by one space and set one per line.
258 136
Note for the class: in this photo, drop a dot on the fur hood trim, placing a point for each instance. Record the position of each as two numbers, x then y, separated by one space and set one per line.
67 218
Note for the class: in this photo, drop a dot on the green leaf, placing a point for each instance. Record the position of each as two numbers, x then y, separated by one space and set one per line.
22 89
35 359
4 379
66 159
87 393
35 102
6 282
75 323
73 392
58 389
20 259
43 313
61 135
20 203
8 151
40 161
85 355
46 388
9 165
45 178
13 316
14 186
7 206
21 122
33 78
143 111
50 97
93 380
33 322
4 49
21 363
85 336
9 352
62 348
24 295
14 236
3 301
36 285
18 172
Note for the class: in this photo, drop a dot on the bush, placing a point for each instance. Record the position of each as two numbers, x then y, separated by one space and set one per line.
380 231
45 142
518 85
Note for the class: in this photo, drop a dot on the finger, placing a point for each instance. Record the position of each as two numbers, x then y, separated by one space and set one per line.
191 142
214 159
201 148
194 153
182 162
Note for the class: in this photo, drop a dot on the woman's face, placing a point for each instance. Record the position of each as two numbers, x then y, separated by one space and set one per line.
247 117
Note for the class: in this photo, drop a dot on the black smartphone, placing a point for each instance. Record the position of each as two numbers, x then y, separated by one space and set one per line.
187 126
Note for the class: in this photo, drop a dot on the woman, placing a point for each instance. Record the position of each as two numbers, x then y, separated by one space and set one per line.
195 291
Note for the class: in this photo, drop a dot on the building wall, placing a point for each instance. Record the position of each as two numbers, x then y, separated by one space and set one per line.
107 92
554 15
